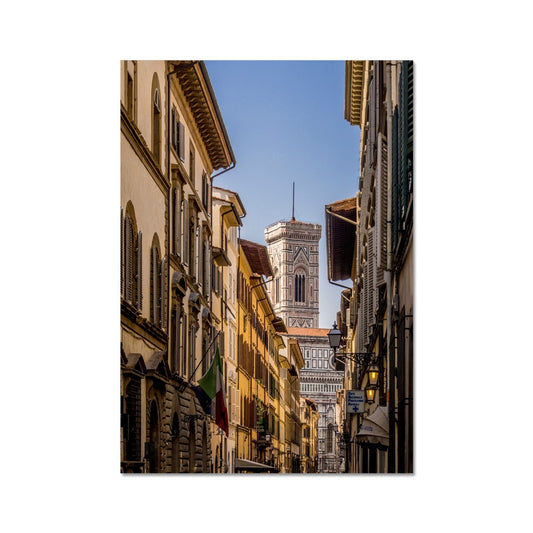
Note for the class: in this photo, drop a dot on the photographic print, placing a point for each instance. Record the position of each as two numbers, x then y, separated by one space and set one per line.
267 259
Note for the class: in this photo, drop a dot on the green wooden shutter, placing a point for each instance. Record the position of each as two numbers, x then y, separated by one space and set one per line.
395 179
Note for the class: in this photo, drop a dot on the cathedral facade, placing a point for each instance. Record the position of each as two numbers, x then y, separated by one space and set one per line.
293 249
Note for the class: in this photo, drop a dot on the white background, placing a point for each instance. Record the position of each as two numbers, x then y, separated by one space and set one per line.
59 214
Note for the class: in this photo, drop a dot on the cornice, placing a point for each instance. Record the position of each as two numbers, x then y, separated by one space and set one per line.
353 97
200 97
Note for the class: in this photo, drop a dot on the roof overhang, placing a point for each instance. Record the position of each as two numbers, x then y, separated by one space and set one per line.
341 219
196 85
257 257
353 95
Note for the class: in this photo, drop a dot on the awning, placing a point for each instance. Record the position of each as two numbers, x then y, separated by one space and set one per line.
243 465
341 217
375 428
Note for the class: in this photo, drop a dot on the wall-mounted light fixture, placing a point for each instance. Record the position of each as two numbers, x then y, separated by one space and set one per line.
361 358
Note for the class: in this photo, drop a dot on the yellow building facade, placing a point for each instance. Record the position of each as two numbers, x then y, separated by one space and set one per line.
173 140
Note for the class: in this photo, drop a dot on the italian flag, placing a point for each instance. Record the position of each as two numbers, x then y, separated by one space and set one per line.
212 383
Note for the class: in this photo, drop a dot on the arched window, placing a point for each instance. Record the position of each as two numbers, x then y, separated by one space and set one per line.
156 119
131 259
299 288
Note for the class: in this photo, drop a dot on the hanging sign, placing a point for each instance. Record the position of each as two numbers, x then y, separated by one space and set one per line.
355 401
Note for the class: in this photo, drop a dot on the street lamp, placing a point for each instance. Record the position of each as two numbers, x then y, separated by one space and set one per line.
373 374
361 358
370 393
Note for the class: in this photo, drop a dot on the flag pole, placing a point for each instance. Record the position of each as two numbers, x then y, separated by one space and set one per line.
204 356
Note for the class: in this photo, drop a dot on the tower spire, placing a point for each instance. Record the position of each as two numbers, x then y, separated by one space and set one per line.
292 201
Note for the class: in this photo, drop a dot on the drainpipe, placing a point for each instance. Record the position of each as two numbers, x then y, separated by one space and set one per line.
391 280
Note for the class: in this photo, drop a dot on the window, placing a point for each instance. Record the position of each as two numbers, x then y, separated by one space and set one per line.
129 94
175 337
185 219
156 126
191 162
192 237
157 286
299 288
130 84
184 331
131 259
192 349
205 191
177 207
173 127
180 140
177 130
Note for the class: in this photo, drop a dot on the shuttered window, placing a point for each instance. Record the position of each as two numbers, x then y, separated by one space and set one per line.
175 339
180 130
381 208
138 273
185 230
176 221
128 259
163 294
184 370
156 126
192 349
155 286
173 127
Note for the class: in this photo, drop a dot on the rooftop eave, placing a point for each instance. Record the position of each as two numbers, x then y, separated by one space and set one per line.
353 96
194 80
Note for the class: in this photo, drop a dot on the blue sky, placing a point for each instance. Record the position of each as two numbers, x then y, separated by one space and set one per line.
285 120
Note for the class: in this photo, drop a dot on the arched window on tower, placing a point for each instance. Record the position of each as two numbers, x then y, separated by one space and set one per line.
299 288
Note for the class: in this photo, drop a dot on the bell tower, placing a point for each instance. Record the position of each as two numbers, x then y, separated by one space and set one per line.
293 248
